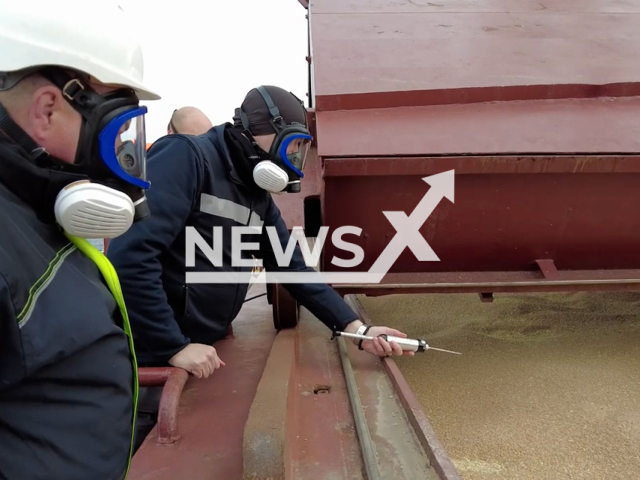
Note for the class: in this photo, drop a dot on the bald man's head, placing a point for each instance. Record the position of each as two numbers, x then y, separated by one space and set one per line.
190 121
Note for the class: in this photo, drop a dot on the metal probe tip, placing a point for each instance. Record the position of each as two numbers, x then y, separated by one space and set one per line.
443 350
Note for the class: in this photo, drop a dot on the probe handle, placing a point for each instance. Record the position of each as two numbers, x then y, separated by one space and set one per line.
407 344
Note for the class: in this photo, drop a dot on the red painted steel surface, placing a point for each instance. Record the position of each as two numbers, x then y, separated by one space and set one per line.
323 443
498 222
154 377
476 164
600 125
322 438
266 431
494 282
533 104
213 411
382 46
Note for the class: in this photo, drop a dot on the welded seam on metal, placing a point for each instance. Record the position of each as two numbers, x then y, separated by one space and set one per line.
364 435
532 283
474 95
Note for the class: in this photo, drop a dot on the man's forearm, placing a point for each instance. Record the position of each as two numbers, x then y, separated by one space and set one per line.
319 298
156 333
324 303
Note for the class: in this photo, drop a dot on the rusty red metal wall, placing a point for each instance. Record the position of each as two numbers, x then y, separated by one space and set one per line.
596 126
372 53
499 221
532 104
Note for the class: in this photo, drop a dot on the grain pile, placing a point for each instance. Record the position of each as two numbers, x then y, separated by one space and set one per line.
547 388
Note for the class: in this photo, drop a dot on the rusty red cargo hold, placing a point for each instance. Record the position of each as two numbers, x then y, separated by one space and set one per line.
535 105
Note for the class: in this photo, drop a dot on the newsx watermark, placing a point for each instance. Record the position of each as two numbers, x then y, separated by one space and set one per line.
407 236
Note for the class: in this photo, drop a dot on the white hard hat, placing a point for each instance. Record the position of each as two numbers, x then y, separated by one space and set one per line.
96 38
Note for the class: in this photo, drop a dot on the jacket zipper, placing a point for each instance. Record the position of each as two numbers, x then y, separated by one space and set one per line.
186 301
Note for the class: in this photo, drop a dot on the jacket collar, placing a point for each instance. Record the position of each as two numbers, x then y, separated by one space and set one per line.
217 135
36 186
219 140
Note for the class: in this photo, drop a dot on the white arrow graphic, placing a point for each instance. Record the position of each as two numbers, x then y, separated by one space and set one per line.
407 228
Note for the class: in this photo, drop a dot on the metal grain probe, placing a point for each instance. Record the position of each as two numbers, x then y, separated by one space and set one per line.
407 344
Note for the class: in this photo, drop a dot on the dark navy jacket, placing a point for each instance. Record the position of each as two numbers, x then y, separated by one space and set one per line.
194 184
66 373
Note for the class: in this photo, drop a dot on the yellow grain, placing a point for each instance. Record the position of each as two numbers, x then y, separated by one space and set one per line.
547 388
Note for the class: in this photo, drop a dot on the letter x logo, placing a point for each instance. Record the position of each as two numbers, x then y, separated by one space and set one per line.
408 227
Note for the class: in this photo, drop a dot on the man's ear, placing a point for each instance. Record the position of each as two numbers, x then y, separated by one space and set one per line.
265 142
46 105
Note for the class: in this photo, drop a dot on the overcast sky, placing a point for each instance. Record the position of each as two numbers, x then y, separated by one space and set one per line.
210 54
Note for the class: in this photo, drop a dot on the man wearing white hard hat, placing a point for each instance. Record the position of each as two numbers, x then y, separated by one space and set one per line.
72 168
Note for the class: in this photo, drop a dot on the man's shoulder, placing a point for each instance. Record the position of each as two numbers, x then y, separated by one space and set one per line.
171 148
30 250
206 143
22 230
211 144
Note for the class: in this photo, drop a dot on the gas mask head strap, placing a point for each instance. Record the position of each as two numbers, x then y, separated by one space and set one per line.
277 122
245 125
76 90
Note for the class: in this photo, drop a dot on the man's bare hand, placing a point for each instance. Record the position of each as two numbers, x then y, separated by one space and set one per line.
378 346
198 359
381 347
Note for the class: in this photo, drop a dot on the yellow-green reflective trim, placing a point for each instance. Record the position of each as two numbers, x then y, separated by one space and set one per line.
111 277
42 283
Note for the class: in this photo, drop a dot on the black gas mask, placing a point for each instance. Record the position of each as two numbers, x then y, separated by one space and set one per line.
281 168
107 181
